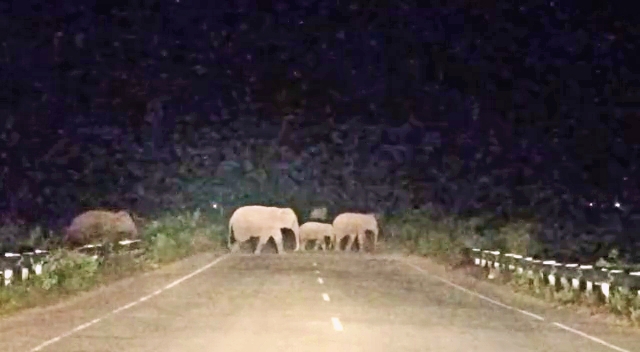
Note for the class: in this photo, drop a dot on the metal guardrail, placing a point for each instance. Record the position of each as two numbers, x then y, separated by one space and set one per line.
589 279
22 266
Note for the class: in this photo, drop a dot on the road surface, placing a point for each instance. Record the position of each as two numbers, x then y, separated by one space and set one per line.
297 302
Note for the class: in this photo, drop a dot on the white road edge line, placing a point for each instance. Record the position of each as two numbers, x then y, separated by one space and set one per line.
127 306
592 338
337 325
326 297
472 293
320 281
532 315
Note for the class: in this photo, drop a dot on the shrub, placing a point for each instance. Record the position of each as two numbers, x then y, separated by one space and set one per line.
438 236
172 237
168 238
421 233
69 271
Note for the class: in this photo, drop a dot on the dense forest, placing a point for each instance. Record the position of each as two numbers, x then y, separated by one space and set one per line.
468 108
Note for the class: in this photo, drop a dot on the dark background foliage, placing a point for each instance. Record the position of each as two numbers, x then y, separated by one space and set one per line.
467 107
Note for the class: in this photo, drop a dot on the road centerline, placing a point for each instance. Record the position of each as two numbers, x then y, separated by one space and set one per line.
337 325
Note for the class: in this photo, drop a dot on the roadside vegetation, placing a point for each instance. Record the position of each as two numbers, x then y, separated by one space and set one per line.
67 272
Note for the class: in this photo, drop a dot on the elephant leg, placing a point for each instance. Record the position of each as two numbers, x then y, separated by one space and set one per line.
324 244
235 247
361 238
297 237
261 243
278 240
349 246
336 243
303 245
375 242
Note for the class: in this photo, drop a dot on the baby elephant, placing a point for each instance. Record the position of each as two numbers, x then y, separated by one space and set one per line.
317 231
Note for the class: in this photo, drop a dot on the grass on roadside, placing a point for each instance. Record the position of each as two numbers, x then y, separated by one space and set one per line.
166 239
419 233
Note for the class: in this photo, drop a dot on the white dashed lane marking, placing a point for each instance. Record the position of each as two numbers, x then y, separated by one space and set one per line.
337 325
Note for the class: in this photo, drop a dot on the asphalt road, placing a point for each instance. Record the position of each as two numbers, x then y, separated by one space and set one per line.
297 302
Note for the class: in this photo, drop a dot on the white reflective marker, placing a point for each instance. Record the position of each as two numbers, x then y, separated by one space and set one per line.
337 325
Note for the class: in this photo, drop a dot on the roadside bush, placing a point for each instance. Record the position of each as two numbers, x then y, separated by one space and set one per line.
68 271
450 238
172 237
421 233
168 238
65 272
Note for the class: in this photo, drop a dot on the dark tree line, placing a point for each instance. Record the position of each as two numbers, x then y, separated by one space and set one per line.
501 104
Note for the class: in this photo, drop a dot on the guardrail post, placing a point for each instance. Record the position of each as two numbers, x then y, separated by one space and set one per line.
23 265
8 276
609 286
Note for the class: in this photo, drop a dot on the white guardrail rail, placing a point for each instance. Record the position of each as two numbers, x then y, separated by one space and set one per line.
589 279
21 266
